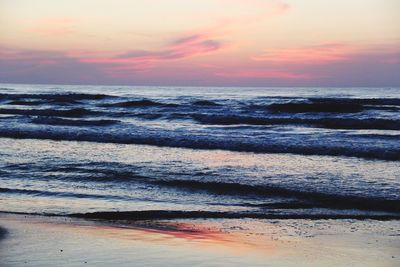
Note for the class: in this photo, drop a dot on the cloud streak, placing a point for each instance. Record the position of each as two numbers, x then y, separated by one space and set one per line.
321 54
318 54
182 47
371 66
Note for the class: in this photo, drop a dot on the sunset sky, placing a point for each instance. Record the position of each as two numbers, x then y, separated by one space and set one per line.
207 42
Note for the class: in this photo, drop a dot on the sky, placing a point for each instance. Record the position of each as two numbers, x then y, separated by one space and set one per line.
201 42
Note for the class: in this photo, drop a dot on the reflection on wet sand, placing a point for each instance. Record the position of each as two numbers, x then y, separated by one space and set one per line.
201 234
72 242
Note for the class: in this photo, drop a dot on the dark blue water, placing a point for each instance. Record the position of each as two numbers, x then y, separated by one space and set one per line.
230 152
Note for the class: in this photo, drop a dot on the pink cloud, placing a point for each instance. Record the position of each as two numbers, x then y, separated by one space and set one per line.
352 66
185 46
323 54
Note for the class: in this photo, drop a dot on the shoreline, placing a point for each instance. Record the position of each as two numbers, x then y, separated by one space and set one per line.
34 240
145 215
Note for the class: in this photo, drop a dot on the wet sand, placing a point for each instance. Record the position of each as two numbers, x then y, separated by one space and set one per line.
62 241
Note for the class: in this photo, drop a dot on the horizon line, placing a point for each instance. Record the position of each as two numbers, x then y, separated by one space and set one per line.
197 86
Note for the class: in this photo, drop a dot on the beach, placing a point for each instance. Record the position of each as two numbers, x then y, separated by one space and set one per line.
62 241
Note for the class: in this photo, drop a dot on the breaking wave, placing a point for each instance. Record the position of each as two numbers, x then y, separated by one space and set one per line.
168 139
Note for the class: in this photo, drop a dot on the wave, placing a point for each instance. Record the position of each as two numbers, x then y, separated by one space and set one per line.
85 171
331 123
139 103
328 107
67 122
205 103
67 97
167 139
359 101
76 112
26 103
294 198
57 194
319 199
174 214
332 105
43 102
147 116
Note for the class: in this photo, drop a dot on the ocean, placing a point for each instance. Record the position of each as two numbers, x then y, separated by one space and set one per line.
131 152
